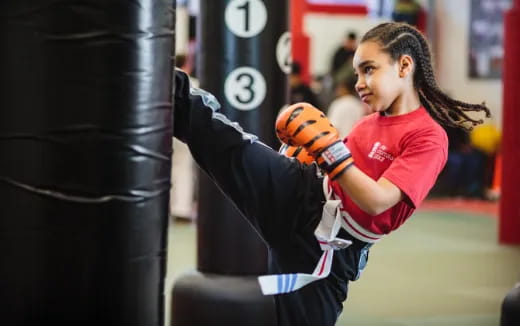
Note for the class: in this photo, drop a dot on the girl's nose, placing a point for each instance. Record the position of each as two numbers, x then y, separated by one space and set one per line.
360 85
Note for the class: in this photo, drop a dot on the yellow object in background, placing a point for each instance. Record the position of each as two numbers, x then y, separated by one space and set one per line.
486 138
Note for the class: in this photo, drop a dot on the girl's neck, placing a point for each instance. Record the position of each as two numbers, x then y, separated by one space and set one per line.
405 103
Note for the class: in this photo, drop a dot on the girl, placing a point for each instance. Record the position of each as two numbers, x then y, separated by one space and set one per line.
381 173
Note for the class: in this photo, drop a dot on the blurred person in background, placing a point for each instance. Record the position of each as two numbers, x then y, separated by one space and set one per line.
344 54
182 62
470 169
299 90
341 65
486 138
323 87
407 11
463 175
346 109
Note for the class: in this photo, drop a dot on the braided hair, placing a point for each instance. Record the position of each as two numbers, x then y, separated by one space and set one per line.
399 39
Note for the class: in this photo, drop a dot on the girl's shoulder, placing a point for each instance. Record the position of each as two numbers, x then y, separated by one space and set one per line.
427 130
416 127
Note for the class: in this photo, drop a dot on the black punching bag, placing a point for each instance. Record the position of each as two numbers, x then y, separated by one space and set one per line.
510 310
244 58
85 143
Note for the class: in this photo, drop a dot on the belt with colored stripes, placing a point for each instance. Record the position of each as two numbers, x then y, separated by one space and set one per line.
325 233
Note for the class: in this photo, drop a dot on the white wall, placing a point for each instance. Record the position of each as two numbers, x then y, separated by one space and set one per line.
452 59
181 30
327 33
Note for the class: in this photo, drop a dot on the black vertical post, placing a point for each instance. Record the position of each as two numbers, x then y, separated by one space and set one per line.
85 137
238 63
244 58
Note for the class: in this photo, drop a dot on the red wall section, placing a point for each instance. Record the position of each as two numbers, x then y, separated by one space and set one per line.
509 223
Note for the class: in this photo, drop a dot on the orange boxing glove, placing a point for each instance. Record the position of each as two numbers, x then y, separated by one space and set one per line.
302 124
298 153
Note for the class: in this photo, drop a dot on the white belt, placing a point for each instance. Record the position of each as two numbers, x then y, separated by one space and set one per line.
348 223
330 224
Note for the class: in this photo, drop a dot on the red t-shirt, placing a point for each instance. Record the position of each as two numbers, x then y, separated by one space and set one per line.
409 150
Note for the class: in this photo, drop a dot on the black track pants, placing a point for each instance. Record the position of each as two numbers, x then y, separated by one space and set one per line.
281 198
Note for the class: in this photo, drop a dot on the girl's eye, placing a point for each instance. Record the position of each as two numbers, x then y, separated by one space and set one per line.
368 69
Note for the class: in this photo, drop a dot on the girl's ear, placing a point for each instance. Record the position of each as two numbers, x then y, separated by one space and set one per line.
406 65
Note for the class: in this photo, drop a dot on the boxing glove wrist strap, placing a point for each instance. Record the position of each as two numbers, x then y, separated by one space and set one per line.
335 159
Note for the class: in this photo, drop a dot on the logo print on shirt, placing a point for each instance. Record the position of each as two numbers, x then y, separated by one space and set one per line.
379 152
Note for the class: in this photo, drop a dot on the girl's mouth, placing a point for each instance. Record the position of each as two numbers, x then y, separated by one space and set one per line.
364 97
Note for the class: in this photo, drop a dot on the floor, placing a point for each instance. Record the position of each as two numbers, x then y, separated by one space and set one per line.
444 267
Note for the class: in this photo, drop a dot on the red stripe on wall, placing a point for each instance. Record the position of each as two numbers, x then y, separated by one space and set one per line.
337 9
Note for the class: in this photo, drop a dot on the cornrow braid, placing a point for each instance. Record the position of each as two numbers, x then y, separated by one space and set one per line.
399 39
